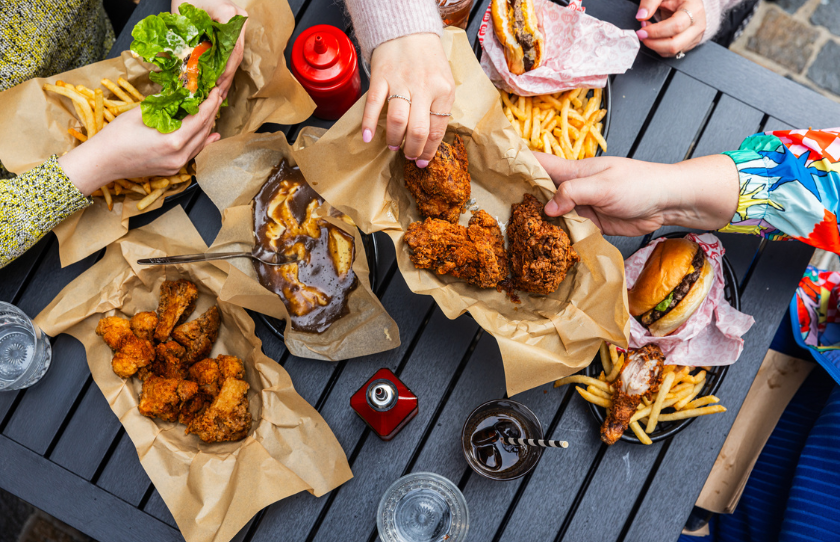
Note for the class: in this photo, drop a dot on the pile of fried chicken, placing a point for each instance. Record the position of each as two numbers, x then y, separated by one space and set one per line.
169 355
539 254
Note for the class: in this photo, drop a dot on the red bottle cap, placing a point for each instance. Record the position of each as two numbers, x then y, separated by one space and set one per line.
385 404
323 57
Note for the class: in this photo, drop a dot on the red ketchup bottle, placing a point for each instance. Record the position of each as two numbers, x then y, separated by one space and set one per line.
325 62
385 404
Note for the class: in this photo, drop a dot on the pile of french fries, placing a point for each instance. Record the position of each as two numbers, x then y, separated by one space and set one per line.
94 111
566 124
678 392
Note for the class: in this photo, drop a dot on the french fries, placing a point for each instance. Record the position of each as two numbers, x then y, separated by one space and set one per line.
94 111
676 399
566 124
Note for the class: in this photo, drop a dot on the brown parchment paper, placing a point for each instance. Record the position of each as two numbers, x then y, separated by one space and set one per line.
35 122
231 174
778 379
541 339
212 490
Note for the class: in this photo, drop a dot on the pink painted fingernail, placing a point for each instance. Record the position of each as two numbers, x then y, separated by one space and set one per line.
367 136
411 159
645 23
642 14
643 35
393 147
422 163
551 208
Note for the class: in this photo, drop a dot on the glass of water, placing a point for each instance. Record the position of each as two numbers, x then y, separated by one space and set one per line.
25 351
423 507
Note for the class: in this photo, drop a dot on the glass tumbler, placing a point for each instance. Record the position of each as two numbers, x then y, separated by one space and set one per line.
25 351
423 507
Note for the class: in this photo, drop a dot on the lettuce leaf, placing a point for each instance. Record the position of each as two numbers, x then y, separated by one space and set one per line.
163 40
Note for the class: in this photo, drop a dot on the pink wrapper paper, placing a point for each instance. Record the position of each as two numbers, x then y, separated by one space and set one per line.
581 51
712 336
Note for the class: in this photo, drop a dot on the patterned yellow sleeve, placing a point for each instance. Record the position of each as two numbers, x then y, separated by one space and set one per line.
32 204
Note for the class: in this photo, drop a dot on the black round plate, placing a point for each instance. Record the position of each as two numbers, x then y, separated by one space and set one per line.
194 186
606 96
714 377
371 250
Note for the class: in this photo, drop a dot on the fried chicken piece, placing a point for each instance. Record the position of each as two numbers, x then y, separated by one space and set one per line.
207 375
169 362
227 418
143 324
231 367
132 353
199 335
193 407
177 302
540 252
640 377
163 397
443 187
475 254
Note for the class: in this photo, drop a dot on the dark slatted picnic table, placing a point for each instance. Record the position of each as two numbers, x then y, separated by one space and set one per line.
64 451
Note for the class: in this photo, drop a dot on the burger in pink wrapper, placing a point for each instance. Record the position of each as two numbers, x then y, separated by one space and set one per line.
676 299
536 47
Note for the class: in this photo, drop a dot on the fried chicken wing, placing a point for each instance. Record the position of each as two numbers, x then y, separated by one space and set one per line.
640 377
132 353
199 335
540 252
143 325
207 375
163 397
475 254
227 418
443 187
177 302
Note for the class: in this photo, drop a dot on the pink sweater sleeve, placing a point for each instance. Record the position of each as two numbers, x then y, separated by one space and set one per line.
715 9
378 21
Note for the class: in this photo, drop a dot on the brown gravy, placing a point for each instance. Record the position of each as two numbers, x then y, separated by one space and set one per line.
316 289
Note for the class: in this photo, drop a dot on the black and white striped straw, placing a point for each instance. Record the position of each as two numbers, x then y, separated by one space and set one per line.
537 442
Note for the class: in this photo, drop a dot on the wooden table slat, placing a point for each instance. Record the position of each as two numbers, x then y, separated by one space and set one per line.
88 436
158 509
731 122
15 274
123 475
677 121
74 500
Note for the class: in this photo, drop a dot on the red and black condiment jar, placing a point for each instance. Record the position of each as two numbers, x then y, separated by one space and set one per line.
385 404
325 62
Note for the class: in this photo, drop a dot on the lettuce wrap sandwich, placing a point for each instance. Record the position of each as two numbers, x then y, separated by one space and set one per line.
191 51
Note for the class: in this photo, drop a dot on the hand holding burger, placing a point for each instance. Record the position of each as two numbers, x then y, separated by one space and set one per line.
673 284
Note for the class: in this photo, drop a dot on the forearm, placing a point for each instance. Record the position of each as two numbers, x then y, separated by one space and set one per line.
376 22
703 193
32 204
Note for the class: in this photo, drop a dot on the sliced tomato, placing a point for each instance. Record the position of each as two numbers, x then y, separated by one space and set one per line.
192 66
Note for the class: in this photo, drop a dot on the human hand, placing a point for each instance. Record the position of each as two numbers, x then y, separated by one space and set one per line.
128 148
413 66
675 33
222 11
631 197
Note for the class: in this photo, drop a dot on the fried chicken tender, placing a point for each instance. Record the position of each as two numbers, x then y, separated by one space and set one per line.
207 375
177 302
199 335
168 363
475 254
540 252
163 397
143 324
443 187
227 418
640 377
132 353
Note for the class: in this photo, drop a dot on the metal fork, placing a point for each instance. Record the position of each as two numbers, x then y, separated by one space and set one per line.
269 258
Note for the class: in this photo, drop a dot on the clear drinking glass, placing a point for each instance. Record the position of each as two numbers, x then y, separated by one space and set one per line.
423 507
25 351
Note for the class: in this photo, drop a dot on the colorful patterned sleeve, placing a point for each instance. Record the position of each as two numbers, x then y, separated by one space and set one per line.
32 204
790 187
